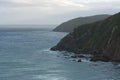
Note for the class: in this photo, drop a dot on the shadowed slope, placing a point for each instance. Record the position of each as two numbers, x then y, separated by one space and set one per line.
100 38
71 24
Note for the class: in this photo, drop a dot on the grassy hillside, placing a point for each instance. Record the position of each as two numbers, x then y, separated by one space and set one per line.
101 37
71 24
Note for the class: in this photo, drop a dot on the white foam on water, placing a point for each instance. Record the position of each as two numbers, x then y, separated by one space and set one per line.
85 60
118 65
48 51
49 77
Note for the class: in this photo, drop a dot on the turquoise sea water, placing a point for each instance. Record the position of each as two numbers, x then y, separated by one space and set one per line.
25 55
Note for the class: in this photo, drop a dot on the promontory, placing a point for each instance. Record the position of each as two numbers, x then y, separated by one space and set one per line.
100 39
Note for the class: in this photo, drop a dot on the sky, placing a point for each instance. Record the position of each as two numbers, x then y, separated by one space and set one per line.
43 12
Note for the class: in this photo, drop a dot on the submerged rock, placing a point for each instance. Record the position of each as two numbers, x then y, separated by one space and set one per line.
79 60
101 39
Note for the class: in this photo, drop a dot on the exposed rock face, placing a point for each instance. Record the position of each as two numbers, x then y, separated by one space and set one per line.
71 24
101 39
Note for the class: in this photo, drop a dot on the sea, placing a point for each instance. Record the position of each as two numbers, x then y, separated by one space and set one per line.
25 55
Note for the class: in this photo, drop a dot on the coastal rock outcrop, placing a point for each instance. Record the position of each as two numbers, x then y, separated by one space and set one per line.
100 39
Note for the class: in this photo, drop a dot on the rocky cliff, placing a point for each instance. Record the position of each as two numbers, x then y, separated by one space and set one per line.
101 39
68 26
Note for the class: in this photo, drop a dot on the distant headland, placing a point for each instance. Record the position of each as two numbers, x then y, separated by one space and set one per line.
101 39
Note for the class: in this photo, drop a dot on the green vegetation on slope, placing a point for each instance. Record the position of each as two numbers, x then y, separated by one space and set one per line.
71 24
99 36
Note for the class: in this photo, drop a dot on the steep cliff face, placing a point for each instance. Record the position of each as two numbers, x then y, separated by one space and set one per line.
100 38
68 26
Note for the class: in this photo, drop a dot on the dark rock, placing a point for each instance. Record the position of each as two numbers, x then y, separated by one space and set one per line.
81 56
78 56
96 58
100 39
73 56
79 60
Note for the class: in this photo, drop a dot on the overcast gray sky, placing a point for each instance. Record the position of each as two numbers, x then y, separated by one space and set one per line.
52 11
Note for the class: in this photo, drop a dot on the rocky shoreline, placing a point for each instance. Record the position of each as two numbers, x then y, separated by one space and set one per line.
100 39
91 55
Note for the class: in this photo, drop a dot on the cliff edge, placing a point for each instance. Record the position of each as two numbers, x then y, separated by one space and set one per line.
68 26
101 39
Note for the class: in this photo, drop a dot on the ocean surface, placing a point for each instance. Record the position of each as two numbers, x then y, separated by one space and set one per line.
25 55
